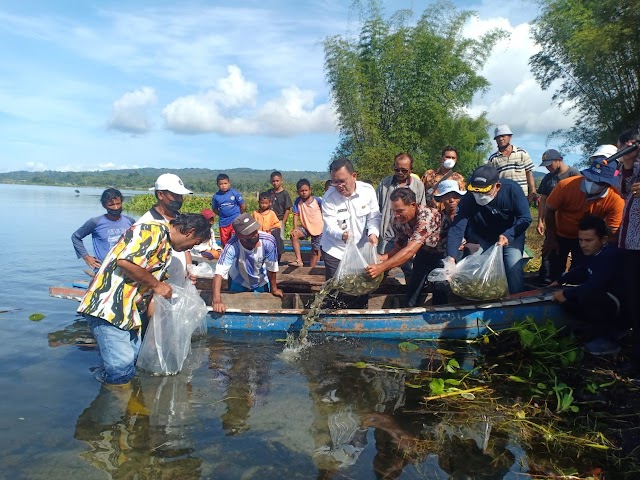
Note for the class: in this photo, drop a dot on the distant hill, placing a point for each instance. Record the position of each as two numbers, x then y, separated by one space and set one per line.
199 180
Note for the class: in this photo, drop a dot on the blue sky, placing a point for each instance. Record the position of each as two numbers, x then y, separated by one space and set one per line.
106 84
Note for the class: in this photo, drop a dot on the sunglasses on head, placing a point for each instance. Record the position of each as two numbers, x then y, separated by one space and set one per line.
403 170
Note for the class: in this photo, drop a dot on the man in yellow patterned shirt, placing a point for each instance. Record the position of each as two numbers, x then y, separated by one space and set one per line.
114 301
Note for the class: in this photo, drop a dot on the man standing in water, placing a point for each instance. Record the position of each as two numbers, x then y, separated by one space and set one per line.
114 301
169 191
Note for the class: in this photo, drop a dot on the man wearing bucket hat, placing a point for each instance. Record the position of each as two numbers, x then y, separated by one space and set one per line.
593 193
513 162
169 191
249 260
497 211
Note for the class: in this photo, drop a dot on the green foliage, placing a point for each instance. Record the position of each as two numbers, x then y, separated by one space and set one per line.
591 49
200 180
404 87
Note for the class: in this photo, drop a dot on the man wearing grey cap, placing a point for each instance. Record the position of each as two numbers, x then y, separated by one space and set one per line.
249 260
513 162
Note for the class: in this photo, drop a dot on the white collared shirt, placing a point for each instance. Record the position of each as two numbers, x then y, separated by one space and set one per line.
358 214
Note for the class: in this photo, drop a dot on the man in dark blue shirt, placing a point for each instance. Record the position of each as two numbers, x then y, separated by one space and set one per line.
496 212
590 289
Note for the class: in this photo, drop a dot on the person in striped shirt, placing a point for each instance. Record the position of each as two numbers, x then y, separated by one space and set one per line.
513 162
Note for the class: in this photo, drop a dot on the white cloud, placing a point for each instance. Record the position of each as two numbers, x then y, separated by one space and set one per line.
515 98
130 112
35 167
230 109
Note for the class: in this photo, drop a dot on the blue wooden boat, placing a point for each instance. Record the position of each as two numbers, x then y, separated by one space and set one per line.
383 318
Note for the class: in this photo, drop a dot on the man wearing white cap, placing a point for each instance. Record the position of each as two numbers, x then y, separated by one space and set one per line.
169 191
593 193
513 162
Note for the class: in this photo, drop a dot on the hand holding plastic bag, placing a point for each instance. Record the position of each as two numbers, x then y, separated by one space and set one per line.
351 277
477 276
167 341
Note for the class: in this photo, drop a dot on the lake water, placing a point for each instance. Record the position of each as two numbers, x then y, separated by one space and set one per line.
344 409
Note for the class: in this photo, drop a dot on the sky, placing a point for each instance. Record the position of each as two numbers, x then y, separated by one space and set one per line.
107 84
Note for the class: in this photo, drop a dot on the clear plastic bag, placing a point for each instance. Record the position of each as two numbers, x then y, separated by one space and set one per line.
167 341
350 277
480 276
202 270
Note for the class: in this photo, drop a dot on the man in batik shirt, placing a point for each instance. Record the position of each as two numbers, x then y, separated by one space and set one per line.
114 301
417 233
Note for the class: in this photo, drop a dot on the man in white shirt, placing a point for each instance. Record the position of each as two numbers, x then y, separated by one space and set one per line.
349 209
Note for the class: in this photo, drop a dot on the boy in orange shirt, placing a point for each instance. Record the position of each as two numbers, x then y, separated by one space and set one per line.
265 216
307 222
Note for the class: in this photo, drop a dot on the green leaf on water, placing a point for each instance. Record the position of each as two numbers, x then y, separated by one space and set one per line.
36 317
360 365
413 385
452 365
526 337
452 381
436 386
408 346
516 379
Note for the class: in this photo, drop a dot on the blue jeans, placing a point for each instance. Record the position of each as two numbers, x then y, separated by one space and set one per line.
512 257
237 287
118 349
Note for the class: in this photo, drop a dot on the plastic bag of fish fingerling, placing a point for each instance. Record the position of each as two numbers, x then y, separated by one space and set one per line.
350 277
167 341
481 276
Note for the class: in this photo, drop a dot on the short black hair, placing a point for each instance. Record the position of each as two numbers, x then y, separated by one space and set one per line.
263 195
275 173
109 194
186 221
338 163
592 222
405 194
327 184
403 155
630 135
222 176
450 148
304 181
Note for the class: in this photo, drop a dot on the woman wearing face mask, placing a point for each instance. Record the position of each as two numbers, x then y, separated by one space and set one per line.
593 193
497 211
432 178
105 230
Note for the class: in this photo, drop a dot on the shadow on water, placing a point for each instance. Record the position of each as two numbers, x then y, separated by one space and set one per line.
344 409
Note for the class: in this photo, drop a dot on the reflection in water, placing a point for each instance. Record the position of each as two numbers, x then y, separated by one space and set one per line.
137 430
78 334
250 414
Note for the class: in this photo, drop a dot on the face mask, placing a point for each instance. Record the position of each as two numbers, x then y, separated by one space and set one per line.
174 206
114 211
482 198
591 188
449 163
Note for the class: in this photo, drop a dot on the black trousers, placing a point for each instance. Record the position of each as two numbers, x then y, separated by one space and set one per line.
557 262
631 296
423 263
340 300
279 241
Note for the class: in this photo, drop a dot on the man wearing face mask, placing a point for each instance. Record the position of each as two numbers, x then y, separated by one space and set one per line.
169 191
496 212
249 260
593 193
432 178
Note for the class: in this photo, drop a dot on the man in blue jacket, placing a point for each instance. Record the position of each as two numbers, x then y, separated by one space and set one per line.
590 289
497 212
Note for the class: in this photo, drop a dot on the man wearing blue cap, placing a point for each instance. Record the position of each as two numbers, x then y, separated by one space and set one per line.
593 193
496 212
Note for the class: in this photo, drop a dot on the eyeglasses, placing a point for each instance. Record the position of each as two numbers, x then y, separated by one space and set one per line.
403 170
336 183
